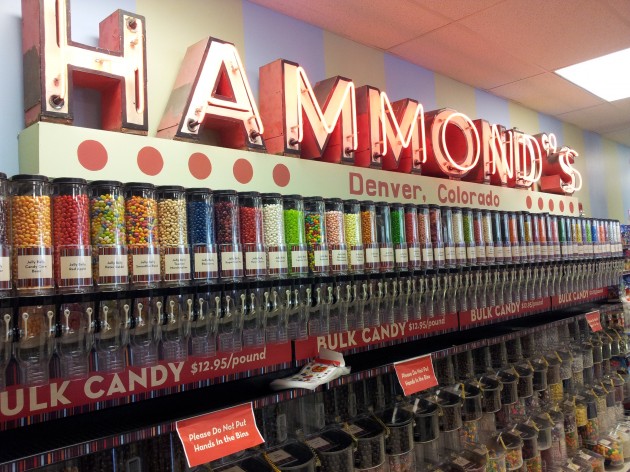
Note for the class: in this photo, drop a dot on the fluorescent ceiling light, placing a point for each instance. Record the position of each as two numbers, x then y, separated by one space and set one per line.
607 76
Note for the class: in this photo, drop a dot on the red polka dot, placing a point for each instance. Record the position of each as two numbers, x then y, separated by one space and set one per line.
281 175
150 160
92 155
528 202
551 204
199 165
243 171
561 206
541 203
571 207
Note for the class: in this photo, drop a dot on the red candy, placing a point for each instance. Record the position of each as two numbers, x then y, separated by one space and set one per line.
411 228
71 220
251 225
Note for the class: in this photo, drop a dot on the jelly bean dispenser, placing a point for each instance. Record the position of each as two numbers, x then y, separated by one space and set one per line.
112 334
34 348
174 326
143 335
74 345
204 312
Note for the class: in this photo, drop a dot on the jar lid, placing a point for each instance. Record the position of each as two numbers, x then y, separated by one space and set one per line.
332 200
249 194
313 199
488 382
146 185
198 190
426 408
369 428
367 202
22 177
111 183
271 195
3 176
293 197
411 205
69 180
170 188
524 370
396 417
224 192
526 431
382 204
351 202
510 440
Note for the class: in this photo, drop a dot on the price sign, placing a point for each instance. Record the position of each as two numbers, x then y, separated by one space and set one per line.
416 374
218 434
594 321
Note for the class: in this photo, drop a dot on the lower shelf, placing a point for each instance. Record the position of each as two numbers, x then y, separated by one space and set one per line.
60 439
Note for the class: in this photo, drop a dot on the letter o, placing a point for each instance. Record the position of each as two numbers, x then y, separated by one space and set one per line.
496 201
451 196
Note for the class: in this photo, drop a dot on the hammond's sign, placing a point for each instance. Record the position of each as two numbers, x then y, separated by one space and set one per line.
332 121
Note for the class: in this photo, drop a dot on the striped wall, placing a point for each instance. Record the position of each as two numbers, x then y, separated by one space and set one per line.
263 36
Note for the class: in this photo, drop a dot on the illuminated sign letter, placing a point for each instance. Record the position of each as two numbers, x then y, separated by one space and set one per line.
453 144
212 92
312 122
54 64
391 135
559 175
502 168
526 154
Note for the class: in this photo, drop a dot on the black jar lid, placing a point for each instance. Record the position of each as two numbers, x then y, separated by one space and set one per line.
139 185
170 188
69 180
198 190
270 195
105 183
224 192
24 177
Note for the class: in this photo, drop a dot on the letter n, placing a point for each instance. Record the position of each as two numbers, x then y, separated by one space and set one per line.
212 92
54 64
317 122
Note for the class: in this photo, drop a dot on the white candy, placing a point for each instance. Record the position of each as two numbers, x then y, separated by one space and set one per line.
273 224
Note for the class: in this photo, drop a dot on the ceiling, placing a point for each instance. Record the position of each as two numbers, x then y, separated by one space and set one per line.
509 48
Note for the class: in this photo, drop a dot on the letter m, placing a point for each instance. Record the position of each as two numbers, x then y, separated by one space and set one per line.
317 122
391 135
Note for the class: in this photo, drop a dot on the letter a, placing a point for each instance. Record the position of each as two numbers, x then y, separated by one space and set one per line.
54 64
212 92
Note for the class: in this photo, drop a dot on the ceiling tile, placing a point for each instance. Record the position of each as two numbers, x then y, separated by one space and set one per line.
621 136
456 9
620 7
548 93
600 118
552 34
457 52
378 23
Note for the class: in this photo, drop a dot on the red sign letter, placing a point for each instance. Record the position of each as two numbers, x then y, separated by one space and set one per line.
53 64
312 122
212 91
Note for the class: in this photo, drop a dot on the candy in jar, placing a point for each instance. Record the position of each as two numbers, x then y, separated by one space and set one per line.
71 235
107 213
31 234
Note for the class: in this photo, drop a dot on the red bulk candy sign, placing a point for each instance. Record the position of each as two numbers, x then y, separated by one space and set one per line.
594 320
416 375
218 434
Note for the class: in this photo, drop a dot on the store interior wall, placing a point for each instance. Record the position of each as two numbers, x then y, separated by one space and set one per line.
262 36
